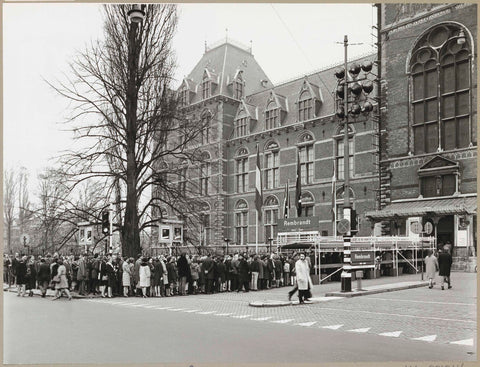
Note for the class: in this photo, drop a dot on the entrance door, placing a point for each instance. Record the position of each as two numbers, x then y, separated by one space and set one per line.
446 230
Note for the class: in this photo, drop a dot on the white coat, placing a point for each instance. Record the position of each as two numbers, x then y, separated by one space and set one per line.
302 271
144 276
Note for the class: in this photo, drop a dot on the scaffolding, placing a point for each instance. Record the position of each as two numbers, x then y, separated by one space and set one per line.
388 251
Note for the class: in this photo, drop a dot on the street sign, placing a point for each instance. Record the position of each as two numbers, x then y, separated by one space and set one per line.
428 228
416 227
343 226
25 239
362 258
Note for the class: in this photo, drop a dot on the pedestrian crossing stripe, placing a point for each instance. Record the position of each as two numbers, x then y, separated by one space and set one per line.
176 309
428 338
190 311
149 306
463 342
332 327
241 316
282 321
394 334
223 314
307 323
162 308
206 312
263 318
364 330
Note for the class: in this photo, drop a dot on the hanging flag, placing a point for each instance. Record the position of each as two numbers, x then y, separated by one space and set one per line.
298 187
286 202
334 195
258 186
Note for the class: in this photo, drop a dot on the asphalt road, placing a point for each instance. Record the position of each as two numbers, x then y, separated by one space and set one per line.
224 329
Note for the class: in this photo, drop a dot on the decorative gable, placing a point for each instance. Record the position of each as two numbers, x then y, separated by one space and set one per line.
438 165
314 92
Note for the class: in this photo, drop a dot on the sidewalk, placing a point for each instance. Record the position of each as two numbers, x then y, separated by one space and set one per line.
50 293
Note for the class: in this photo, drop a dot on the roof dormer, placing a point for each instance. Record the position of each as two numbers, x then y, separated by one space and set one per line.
209 83
237 85
275 110
245 119
309 101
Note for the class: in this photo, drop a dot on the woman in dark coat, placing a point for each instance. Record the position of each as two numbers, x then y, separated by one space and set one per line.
31 276
21 273
444 266
103 276
157 277
172 275
221 275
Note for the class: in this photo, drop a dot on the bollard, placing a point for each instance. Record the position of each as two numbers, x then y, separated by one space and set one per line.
359 276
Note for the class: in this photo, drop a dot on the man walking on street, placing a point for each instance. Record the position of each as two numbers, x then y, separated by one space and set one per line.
81 275
444 264
303 278
43 277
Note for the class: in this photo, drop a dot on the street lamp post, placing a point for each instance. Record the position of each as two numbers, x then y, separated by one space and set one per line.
346 87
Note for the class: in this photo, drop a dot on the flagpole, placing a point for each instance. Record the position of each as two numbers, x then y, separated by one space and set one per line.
256 232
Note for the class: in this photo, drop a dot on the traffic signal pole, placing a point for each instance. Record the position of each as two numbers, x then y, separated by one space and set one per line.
346 276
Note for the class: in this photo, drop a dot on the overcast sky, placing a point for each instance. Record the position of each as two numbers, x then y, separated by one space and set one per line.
289 40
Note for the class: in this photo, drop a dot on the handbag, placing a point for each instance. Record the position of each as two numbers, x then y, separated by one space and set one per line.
56 279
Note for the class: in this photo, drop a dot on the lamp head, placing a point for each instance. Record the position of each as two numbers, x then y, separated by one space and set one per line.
136 14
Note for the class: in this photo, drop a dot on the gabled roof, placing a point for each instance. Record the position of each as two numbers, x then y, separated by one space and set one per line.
188 84
312 88
225 62
250 110
322 82
279 100
211 75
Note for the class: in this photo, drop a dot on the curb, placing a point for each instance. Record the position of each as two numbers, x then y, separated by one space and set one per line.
269 303
375 291
37 293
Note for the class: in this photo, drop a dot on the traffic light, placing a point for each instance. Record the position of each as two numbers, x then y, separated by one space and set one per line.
353 221
105 223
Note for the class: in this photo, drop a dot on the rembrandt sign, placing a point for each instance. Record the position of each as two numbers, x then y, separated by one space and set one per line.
362 258
298 224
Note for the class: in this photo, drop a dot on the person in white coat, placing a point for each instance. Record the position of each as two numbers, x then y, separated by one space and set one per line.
304 282
431 268
145 274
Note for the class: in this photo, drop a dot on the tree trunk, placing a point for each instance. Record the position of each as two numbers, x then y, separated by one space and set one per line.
131 236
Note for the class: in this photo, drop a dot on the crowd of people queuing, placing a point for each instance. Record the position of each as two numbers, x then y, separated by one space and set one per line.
111 275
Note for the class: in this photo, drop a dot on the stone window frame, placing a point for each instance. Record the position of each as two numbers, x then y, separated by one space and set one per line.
271 205
338 152
425 43
271 155
306 166
241 170
241 211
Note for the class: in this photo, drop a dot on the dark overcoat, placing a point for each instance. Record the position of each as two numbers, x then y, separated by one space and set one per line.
444 264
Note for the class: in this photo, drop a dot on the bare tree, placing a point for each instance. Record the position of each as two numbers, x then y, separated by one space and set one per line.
127 116
24 206
9 199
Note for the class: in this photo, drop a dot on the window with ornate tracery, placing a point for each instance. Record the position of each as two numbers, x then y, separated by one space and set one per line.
340 154
440 73
205 172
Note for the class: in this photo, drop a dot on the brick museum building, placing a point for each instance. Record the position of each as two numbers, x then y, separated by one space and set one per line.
428 167
412 158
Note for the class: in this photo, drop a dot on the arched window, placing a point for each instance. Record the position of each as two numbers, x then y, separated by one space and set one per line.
238 87
272 165
241 222
206 127
206 86
340 154
305 150
241 170
308 203
272 116
305 106
271 217
205 172
441 88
